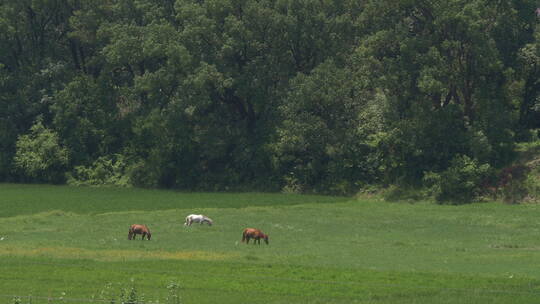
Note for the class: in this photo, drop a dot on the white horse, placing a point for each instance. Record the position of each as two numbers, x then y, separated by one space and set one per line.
197 218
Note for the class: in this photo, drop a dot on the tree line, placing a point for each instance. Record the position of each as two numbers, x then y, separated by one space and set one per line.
323 96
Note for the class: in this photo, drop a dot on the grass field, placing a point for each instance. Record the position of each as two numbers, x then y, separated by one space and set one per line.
69 245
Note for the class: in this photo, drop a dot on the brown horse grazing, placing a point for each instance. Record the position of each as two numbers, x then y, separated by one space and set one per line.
256 234
139 229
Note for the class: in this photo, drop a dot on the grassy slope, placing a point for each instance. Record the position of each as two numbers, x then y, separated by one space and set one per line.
322 249
17 199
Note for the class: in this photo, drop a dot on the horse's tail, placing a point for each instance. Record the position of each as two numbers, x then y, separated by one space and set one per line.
244 236
148 234
130 233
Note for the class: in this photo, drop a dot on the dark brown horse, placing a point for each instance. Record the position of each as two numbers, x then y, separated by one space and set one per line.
139 229
256 234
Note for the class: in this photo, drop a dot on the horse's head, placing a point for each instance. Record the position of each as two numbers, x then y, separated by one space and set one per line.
266 239
148 235
130 234
210 222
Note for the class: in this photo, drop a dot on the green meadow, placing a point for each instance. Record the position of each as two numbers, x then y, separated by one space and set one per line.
63 244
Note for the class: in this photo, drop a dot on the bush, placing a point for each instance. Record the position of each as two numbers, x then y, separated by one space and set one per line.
40 156
520 183
174 295
532 186
143 175
105 171
511 182
460 183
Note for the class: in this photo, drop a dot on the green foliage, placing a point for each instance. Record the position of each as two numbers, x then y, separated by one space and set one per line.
435 62
322 142
516 189
532 179
173 297
520 182
532 185
460 183
313 96
86 119
129 295
8 126
40 156
104 171
529 63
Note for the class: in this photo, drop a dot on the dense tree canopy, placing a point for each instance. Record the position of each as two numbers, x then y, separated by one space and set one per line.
306 95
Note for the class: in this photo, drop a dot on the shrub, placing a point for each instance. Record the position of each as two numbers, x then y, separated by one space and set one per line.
40 156
142 174
291 185
173 297
520 183
460 183
130 296
511 182
106 170
532 186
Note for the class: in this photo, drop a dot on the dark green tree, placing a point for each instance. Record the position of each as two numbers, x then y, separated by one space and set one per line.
439 65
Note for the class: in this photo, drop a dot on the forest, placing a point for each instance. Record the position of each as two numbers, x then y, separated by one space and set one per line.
303 96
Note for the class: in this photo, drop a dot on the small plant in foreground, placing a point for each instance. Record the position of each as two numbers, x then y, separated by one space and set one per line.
173 296
129 295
